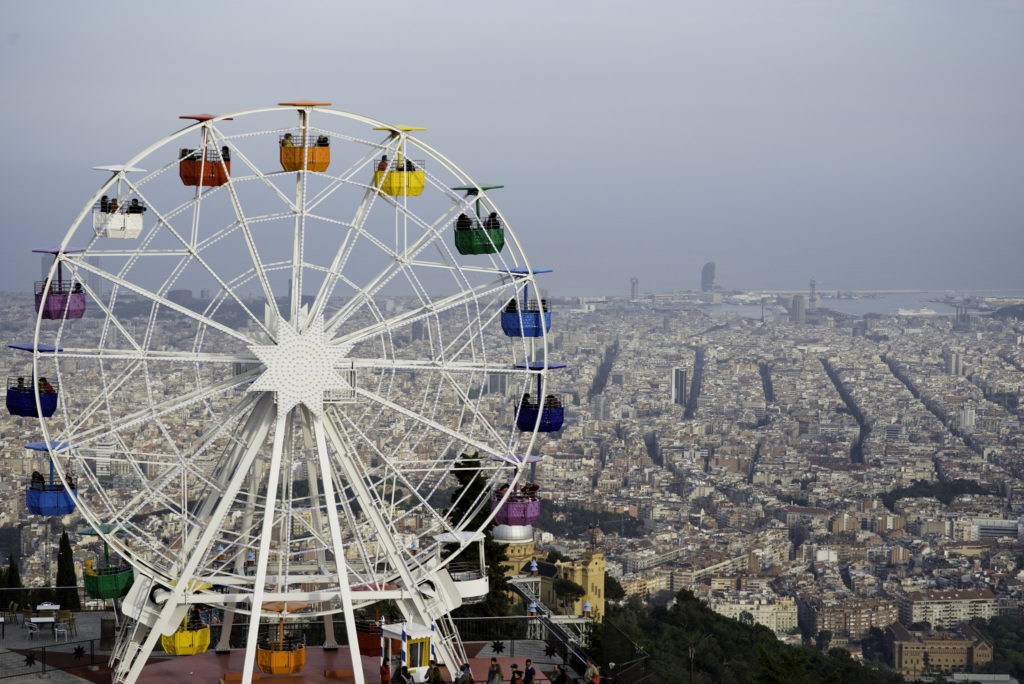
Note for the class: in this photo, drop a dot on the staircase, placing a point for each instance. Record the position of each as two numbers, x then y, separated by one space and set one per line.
128 649
557 625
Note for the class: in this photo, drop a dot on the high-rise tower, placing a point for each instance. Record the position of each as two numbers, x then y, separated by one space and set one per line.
634 288
679 386
798 311
707 277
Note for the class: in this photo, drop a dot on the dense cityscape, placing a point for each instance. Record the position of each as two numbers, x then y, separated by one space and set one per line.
821 474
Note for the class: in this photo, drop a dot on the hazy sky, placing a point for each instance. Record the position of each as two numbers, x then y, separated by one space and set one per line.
866 143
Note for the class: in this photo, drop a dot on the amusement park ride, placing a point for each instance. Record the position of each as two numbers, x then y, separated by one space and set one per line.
283 447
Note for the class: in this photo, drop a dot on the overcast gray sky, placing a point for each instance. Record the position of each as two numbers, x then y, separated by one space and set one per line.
869 144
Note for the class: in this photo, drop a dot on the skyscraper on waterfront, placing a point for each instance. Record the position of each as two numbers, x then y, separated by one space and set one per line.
707 277
679 386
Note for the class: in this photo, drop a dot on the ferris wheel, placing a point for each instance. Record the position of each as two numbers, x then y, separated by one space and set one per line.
296 352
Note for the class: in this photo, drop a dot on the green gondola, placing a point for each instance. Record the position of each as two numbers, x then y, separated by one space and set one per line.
106 582
487 236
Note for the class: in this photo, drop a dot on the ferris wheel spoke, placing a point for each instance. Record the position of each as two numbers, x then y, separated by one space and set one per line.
313 445
109 317
430 309
339 548
102 399
216 431
395 471
159 408
157 355
193 253
399 262
489 430
427 422
200 540
257 173
437 364
263 554
344 177
385 536
163 301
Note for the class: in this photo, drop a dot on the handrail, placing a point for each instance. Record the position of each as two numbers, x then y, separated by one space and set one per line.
25 385
61 287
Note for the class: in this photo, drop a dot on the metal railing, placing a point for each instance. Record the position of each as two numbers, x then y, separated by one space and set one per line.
402 165
68 657
312 140
520 633
30 597
121 208
514 306
23 383
212 155
59 287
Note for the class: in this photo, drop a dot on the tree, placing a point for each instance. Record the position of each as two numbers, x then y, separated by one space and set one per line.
554 556
746 618
469 490
824 639
567 592
67 595
14 580
613 591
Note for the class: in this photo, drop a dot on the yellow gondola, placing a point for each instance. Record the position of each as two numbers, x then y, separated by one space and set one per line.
191 637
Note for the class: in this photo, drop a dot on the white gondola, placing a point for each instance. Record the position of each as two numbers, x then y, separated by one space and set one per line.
127 226
118 224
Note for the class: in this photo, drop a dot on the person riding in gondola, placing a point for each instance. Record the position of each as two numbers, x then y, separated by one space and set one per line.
463 223
22 387
104 204
45 387
286 141
382 165
195 619
135 207
492 222
38 481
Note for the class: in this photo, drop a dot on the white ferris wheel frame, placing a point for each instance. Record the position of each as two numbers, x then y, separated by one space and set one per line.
253 418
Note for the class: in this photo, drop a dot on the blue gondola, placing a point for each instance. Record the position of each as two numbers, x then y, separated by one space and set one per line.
50 498
526 318
552 415
525 322
21 399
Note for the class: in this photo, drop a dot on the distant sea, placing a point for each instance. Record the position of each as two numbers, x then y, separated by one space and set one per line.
886 304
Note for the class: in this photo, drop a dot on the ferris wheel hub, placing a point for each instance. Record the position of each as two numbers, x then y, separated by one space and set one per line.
300 367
